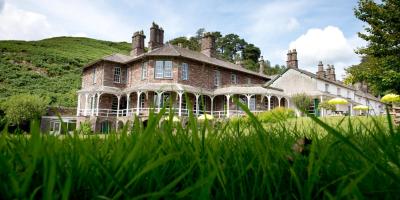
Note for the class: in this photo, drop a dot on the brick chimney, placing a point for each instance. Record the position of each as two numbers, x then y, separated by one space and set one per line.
292 61
137 43
332 74
320 72
261 63
208 45
156 37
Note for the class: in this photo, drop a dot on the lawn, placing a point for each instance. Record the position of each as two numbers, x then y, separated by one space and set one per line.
353 158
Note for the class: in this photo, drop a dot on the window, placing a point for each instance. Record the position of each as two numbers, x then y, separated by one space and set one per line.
94 76
233 79
144 70
327 88
165 99
348 94
339 92
217 78
248 81
185 71
163 69
117 74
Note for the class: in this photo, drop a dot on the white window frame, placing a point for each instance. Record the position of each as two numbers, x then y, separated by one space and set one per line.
185 71
168 69
327 87
234 79
339 91
144 71
117 74
163 69
248 80
142 99
94 76
217 78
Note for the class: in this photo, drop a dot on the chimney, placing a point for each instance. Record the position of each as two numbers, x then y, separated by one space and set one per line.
261 63
137 43
292 61
320 72
332 74
156 37
208 45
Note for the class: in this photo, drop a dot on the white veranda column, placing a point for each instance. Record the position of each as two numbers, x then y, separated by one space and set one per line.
119 98
79 105
248 100
212 105
97 103
138 102
127 103
227 104
269 102
197 104
86 104
180 93
159 100
279 101
351 109
92 104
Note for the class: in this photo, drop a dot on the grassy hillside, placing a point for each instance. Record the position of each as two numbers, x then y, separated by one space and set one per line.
50 67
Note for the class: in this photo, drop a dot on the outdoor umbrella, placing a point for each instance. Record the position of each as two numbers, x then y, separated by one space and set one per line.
337 101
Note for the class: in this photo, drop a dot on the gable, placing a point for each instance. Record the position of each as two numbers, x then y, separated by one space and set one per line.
293 82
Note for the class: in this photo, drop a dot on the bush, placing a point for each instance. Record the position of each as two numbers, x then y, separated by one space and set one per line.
302 101
85 128
276 115
24 108
325 105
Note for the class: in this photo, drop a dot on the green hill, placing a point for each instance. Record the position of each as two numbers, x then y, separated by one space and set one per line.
50 67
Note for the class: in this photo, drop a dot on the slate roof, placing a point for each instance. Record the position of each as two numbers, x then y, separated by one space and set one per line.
175 51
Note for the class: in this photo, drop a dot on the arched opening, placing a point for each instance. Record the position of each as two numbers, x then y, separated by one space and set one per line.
283 102
274 102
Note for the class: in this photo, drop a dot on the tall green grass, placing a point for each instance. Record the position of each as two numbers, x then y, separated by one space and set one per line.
244 159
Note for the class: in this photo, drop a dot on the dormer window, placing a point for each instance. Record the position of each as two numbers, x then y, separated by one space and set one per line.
117 74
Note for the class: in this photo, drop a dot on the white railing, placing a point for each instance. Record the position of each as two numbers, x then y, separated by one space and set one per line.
145 112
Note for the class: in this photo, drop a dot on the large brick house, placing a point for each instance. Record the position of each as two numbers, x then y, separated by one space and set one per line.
118 87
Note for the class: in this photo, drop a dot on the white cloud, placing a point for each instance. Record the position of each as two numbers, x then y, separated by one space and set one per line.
328 45
274 18
20 24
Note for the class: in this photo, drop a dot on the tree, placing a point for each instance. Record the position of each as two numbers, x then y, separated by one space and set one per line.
251 52
24 108
380 66
192 43
327 106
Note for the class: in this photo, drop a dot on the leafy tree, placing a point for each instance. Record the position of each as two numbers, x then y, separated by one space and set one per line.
325 105
23 108
192 43
251 52
380 66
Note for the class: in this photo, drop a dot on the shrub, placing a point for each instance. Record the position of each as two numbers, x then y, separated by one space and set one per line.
325 105
24 108
302 101
85 128
276 115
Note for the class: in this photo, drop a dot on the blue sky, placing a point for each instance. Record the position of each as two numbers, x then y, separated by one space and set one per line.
318 29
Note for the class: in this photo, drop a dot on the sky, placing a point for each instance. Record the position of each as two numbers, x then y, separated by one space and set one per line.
320 30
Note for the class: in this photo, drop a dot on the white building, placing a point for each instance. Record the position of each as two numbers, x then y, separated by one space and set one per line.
323 86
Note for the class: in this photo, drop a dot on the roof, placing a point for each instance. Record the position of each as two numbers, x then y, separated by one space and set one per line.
312 75
175 51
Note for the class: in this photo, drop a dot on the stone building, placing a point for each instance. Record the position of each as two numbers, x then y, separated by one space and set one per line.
117 88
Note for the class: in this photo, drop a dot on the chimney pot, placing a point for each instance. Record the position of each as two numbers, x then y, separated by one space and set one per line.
156 37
